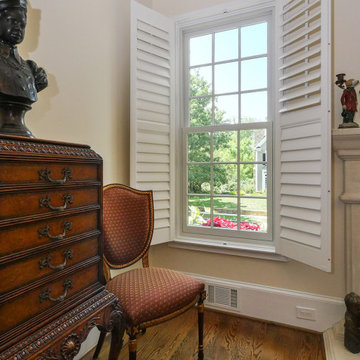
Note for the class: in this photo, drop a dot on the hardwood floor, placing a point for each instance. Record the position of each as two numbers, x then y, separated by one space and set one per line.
226 337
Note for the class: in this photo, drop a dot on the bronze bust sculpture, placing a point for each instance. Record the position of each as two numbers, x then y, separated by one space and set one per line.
352 323
20 80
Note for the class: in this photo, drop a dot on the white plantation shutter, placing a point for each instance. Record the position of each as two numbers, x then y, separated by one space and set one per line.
303 130
151 152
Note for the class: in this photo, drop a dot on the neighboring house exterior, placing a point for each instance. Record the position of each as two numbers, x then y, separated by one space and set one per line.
260 169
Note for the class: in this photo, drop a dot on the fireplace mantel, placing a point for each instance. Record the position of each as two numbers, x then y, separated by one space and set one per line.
346 145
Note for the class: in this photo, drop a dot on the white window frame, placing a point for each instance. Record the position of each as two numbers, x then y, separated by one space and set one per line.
249 17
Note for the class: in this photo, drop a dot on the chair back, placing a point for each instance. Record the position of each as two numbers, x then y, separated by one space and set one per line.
128 224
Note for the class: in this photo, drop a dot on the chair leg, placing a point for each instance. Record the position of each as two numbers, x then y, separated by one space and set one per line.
99 344
117 339
200 307
132 346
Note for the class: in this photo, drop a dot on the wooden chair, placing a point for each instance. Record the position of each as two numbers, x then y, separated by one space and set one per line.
148 295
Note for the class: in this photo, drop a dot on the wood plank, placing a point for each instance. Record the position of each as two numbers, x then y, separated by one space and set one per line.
226 337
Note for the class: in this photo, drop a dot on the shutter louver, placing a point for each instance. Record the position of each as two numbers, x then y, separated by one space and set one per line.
304 132
151 112
302 89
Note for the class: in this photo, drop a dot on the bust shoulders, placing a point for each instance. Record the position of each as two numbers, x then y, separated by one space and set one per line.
16 75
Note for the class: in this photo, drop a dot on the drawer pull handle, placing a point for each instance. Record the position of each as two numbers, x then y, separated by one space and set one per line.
45 231
46 202
45 262
44 174
45 295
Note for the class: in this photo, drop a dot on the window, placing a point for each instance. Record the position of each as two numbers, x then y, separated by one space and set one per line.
266 166
227 130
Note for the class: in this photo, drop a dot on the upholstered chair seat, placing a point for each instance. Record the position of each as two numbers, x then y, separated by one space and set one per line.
148 295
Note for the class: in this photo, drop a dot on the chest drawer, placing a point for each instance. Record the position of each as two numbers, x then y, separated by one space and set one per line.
40 233
23 272
25 306
46 173
30 203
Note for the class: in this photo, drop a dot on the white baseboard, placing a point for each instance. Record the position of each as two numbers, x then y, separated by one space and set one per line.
279 305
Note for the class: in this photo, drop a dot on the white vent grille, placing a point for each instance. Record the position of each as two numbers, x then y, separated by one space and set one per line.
211 294
223 296
234 298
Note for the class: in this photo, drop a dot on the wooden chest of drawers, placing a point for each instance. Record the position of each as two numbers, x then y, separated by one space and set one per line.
50 247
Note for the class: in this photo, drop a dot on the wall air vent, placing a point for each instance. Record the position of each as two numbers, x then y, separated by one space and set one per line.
233 298
223 296
211 294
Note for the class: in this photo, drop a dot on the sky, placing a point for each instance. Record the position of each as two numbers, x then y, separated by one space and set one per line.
234 45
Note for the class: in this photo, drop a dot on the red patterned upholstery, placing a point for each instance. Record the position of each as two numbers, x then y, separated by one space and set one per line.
150 293
147 296
127 224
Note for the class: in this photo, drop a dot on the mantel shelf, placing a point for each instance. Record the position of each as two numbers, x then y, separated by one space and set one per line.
347 140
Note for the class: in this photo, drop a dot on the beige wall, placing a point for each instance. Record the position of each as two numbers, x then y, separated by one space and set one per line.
85 49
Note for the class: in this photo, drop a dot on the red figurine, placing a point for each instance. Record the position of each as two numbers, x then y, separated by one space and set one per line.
349 103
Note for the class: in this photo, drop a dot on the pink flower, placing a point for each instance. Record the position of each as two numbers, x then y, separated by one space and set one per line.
228 224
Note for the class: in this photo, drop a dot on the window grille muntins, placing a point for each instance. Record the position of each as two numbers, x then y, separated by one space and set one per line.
227 134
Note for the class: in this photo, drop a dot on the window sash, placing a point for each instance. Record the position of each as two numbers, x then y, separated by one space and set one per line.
240 234
187 129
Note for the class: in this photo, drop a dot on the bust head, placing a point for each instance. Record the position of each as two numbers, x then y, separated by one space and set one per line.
352 302
12 21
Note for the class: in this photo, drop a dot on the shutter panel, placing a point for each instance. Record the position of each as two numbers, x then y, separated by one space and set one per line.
151 145
303 129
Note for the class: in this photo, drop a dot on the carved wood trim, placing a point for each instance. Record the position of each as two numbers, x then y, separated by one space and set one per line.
16 334
71 345
33 148
60 327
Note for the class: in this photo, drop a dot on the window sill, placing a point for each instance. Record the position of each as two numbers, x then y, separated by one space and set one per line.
265 252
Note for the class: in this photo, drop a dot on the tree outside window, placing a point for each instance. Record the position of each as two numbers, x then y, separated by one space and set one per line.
226 162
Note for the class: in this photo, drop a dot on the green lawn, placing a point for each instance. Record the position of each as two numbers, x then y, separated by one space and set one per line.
251 204
253 210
